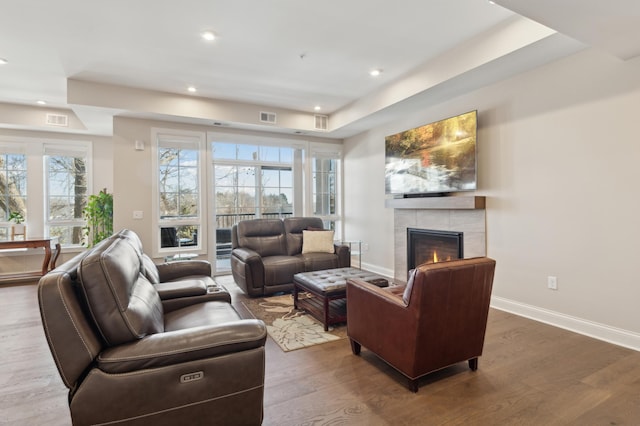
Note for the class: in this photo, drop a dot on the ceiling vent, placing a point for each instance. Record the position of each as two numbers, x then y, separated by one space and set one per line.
268 117
57 120
321 122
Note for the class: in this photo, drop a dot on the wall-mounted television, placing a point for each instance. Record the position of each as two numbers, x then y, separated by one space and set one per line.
435 159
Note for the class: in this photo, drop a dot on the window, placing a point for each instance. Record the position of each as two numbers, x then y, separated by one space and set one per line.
13 186
48 182
250 181
67 193
325 194
179 200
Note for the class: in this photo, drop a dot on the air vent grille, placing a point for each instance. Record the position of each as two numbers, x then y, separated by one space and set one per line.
57 120
268 117
321 122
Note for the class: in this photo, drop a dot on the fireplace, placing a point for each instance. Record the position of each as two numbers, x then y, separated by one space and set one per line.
430 246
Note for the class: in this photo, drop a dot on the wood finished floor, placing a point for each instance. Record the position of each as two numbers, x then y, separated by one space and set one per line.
530 374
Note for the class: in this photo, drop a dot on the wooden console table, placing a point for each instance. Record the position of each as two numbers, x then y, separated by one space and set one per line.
47 264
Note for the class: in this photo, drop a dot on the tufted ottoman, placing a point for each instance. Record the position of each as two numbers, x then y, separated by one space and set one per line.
327 292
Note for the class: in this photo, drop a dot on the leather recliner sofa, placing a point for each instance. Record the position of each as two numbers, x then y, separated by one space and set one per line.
437 319
128 361
267 253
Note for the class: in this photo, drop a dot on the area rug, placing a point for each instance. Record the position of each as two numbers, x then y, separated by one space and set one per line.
290 328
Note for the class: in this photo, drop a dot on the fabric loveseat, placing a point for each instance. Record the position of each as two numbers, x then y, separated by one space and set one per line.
267 253
128 361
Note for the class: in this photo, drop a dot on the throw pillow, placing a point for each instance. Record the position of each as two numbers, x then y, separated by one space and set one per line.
406 297
317 242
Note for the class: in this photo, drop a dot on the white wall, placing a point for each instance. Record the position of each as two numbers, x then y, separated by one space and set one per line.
559 158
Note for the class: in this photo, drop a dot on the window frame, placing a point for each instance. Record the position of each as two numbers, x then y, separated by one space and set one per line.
326 151
15 149
48 149
188 138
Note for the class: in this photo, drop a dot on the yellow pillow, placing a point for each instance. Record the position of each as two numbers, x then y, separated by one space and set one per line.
317 242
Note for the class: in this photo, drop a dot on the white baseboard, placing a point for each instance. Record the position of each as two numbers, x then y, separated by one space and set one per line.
617 336
387 273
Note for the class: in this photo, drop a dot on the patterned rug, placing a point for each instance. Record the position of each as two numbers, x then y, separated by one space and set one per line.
290 328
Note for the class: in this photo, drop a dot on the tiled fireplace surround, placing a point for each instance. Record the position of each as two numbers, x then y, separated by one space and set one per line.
462 214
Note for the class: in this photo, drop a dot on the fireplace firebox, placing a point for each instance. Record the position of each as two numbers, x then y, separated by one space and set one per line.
430 246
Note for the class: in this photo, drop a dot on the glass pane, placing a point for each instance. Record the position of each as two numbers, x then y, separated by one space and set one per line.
286 155
188 204
67 181
188 158
179 236
270 153
271 178
68 235
225 176
168 157
247 152
224 151
168 204
189 179
246 176
13 185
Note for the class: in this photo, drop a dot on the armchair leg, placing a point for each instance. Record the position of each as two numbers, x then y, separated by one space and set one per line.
473 364
355 347
413 385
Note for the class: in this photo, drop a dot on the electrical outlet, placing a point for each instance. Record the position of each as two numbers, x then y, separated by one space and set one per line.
137 214
552 283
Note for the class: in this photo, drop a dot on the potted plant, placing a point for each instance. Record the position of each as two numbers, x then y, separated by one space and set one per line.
18 227
99 216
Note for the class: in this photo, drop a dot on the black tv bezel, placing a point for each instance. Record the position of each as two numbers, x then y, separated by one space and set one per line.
443 193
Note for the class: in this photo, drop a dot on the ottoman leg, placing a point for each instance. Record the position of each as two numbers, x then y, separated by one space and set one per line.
326 313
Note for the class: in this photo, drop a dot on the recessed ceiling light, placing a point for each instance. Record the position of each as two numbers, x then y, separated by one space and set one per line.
375 73
3 61
208 35
317 108
41 102
492 2
192 89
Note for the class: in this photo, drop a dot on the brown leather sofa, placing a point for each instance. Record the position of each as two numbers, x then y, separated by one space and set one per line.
179 283
267 253
127 360
436 320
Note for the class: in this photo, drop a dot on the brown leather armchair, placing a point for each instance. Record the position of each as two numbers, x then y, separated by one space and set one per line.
127 361
436 320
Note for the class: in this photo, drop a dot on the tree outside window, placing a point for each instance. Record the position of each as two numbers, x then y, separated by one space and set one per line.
13 189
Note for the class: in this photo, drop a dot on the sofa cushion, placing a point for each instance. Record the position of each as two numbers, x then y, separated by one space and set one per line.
264 236
293 227
280 270
317 242
319 261
123 303
149 269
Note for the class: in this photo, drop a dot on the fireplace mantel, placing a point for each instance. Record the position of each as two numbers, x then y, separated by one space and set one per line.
438 203
466 214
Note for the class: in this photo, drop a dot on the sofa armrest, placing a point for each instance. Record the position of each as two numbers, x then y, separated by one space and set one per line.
344 255
379 319
246 255
175 347
173 270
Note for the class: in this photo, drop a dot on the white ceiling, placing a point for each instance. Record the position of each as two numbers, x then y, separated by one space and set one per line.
288 54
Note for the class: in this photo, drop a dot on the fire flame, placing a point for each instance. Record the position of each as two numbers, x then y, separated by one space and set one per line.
436 259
